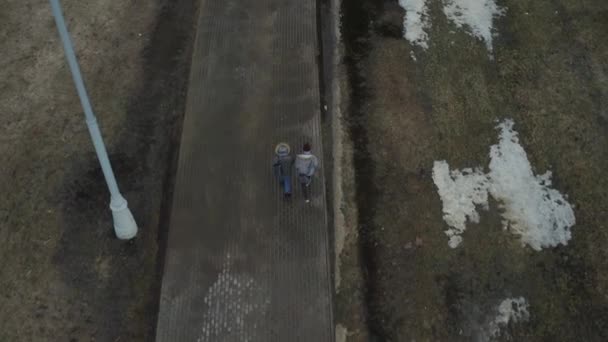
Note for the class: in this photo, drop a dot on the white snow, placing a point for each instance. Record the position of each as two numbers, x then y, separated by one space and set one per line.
476 15
509 310
460 192
231 302
540 215
415 22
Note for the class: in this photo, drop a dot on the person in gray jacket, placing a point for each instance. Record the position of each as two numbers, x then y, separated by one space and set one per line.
283 165
306 167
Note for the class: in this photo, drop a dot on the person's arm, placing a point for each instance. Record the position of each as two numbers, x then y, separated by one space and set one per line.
276 165
312 167
315 161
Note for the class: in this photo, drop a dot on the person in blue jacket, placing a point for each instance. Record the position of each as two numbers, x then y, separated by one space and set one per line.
283 165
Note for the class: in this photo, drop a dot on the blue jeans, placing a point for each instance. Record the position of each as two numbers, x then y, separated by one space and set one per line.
285 184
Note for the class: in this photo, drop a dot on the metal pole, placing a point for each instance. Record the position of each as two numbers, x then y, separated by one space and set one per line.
124 223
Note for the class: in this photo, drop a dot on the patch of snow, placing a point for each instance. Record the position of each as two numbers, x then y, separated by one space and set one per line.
540 215
509 310
231 301
415 22
460 192
477 15
341 333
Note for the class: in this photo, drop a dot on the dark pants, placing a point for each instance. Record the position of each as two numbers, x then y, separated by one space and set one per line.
305 183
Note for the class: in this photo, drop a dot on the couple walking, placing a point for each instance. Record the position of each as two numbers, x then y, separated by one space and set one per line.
306 165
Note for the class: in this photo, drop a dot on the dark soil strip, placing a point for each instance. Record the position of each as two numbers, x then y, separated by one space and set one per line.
174 32
357 16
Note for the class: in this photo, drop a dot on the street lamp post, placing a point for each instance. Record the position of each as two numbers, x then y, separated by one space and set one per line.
124 223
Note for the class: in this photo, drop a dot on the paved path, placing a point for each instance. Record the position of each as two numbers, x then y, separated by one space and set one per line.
242 264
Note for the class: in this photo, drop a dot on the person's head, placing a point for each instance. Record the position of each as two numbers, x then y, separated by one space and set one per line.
306 147
282 149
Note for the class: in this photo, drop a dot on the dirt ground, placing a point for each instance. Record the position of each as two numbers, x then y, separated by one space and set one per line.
63 274
399 279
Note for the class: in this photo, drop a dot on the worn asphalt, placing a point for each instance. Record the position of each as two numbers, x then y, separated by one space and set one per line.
241 263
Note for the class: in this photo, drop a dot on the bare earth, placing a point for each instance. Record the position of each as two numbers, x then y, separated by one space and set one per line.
63 275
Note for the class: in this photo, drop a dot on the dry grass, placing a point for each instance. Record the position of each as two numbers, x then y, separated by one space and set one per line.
549 75
43 135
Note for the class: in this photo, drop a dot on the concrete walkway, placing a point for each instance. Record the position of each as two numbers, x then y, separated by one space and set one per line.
241 264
